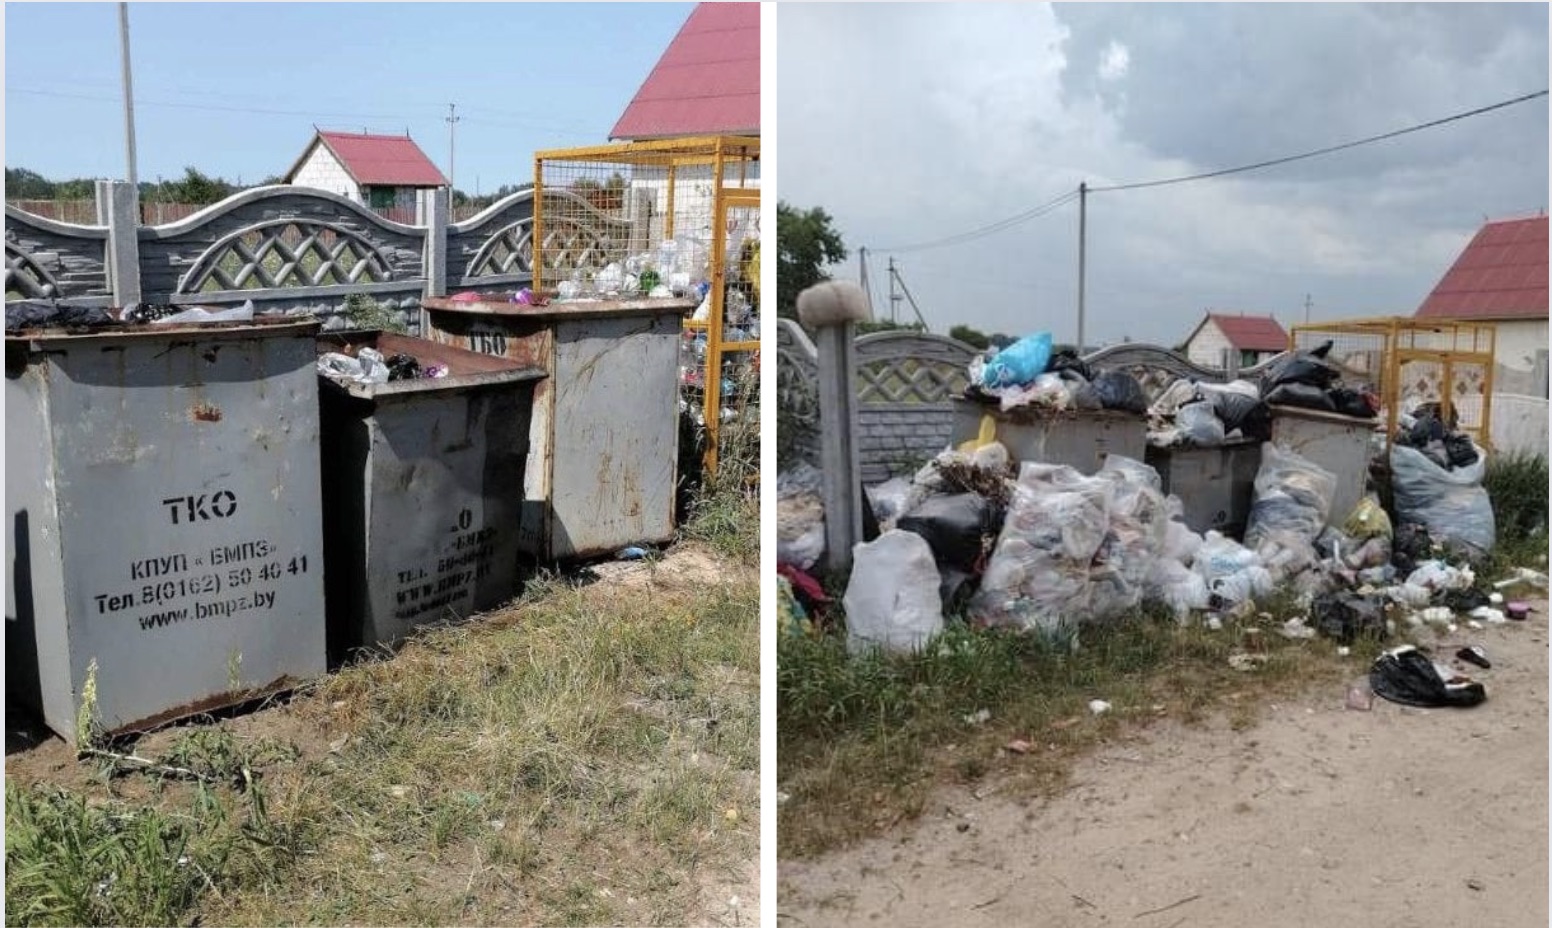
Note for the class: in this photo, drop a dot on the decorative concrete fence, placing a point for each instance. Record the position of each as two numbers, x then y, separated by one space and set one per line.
291 250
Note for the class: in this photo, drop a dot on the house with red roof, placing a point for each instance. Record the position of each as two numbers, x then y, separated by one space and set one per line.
1501 277
1245 340
380 171
706 83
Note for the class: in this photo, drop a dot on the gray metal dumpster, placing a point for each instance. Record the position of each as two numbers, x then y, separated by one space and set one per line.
422 489
1341 444
165 544
605 435
1080 439
1216 485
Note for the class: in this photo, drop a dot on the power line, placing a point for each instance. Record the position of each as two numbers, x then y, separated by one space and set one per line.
990 229
1321 151
202 106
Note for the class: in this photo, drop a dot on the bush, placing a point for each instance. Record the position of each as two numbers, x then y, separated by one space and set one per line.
1517 484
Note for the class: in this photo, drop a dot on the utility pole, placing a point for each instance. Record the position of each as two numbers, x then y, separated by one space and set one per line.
862 264
1307 305
1083 238
129 96
452 132
894 298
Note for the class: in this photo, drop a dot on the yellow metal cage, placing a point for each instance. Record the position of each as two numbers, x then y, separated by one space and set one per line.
1411 362
674 217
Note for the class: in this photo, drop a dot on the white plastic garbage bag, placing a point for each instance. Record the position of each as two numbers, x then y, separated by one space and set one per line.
1453 504
800 529
892 599
1291 505
1231 570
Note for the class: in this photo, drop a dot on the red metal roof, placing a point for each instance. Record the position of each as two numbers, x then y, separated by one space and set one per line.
383 160
706 83
1251 333
1502 274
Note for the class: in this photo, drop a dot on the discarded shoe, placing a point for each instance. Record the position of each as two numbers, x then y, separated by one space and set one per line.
1475 655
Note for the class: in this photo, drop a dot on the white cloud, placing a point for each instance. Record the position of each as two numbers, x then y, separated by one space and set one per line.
1113 65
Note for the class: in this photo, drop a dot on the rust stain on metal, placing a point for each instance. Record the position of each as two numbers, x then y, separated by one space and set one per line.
207 704
206 412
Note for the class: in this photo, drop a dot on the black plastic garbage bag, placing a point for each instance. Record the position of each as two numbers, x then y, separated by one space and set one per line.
402 367
141 313
1426 428
1464 600
1303 395
1411 546
1251 416
953 525
1350 402
21 315
1305 367
1120 390
1348 616
1068 360
1459 450
1405 675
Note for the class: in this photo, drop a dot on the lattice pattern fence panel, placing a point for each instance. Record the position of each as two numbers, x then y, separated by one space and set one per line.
25 278
286 253
797 395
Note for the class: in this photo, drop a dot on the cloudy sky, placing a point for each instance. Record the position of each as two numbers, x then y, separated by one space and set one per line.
910 123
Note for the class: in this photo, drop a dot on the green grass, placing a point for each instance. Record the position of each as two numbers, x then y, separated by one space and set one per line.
724 511
587 755
864 740
98 860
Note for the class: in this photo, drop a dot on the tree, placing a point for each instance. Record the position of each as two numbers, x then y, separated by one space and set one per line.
805 245
196 187
975 338
22 184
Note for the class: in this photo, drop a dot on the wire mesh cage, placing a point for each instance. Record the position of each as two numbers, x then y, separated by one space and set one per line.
670 218
1412 363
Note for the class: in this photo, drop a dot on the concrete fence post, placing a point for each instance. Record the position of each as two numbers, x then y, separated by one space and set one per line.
833 309
431 211
123 221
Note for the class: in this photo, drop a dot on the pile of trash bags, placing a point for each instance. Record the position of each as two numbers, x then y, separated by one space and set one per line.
1047 549
1203 415
31 315
1030 374
1308 380
1436 474
1208 415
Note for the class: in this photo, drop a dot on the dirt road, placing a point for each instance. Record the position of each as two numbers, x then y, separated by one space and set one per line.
1318 815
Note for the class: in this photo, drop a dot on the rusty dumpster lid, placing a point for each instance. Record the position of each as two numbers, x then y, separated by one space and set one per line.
466 370
499 304
271 326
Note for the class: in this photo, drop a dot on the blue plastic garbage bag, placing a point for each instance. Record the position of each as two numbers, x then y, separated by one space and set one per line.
1019 363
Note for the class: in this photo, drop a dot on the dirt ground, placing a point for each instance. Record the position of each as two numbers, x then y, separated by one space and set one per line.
1317 815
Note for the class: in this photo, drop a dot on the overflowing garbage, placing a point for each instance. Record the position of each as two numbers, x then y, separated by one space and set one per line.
1205 415
1032 374
27 315
369 366
977 536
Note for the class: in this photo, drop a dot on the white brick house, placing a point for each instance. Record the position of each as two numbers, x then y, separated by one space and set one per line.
380 171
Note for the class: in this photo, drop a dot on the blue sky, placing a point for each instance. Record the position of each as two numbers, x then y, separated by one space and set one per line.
234 89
